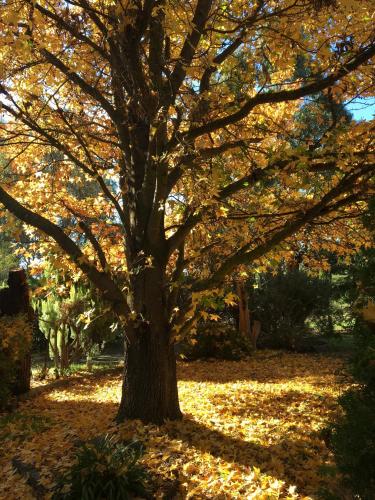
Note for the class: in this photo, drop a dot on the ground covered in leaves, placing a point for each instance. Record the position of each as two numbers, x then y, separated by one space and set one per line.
251 429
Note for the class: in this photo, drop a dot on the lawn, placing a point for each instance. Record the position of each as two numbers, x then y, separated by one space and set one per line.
251 429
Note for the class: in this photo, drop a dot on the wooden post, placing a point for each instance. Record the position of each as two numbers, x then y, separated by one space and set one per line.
248 328
15 300
243 309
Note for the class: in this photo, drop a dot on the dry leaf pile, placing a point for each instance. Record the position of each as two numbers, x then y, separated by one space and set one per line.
251 429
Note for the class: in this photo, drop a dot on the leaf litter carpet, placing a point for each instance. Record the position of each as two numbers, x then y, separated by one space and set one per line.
251 429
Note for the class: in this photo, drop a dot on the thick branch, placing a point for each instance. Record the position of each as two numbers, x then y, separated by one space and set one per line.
81 83
276 97
72 30
246 254
190 45
101 280
95 244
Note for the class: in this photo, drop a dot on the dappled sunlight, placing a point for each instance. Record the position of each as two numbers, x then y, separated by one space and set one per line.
255 437
86 392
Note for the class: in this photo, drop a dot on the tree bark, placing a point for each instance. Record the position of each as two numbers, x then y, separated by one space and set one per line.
150 381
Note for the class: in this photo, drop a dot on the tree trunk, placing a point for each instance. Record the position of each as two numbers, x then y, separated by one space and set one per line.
255 331
150 382
55 348
243 310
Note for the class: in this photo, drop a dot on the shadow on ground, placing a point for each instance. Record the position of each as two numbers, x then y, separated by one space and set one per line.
275 367
82 420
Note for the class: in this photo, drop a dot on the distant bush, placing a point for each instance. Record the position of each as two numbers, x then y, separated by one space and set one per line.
283 302
353 441
104 470
219 340
352 435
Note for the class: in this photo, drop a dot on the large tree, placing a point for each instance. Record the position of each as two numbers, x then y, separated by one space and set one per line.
141 134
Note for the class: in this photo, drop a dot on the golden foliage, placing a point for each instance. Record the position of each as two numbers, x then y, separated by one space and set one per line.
64 150
15 335
250 430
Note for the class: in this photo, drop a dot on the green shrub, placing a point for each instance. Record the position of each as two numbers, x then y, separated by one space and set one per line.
283 302
353 441
104 469
216 340
363 362
352 435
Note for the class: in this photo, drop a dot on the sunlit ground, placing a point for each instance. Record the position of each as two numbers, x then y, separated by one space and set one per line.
251 429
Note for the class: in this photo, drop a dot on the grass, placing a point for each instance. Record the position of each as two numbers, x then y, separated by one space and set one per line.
101 364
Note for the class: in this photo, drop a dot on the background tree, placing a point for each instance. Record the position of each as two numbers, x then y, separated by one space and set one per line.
177 111
352 434
74 321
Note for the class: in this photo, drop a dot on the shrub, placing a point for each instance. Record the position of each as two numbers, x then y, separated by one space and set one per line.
363 362
352 435
104 469
217 340
15 340
353 441
283 303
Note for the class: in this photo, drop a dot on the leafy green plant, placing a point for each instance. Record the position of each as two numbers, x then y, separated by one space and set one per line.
75 323
104 469
283 302
353 441
218 340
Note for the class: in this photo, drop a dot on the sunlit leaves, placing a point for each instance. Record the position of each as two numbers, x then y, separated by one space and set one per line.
251 429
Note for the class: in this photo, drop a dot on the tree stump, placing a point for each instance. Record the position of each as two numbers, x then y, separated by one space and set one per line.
15 300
